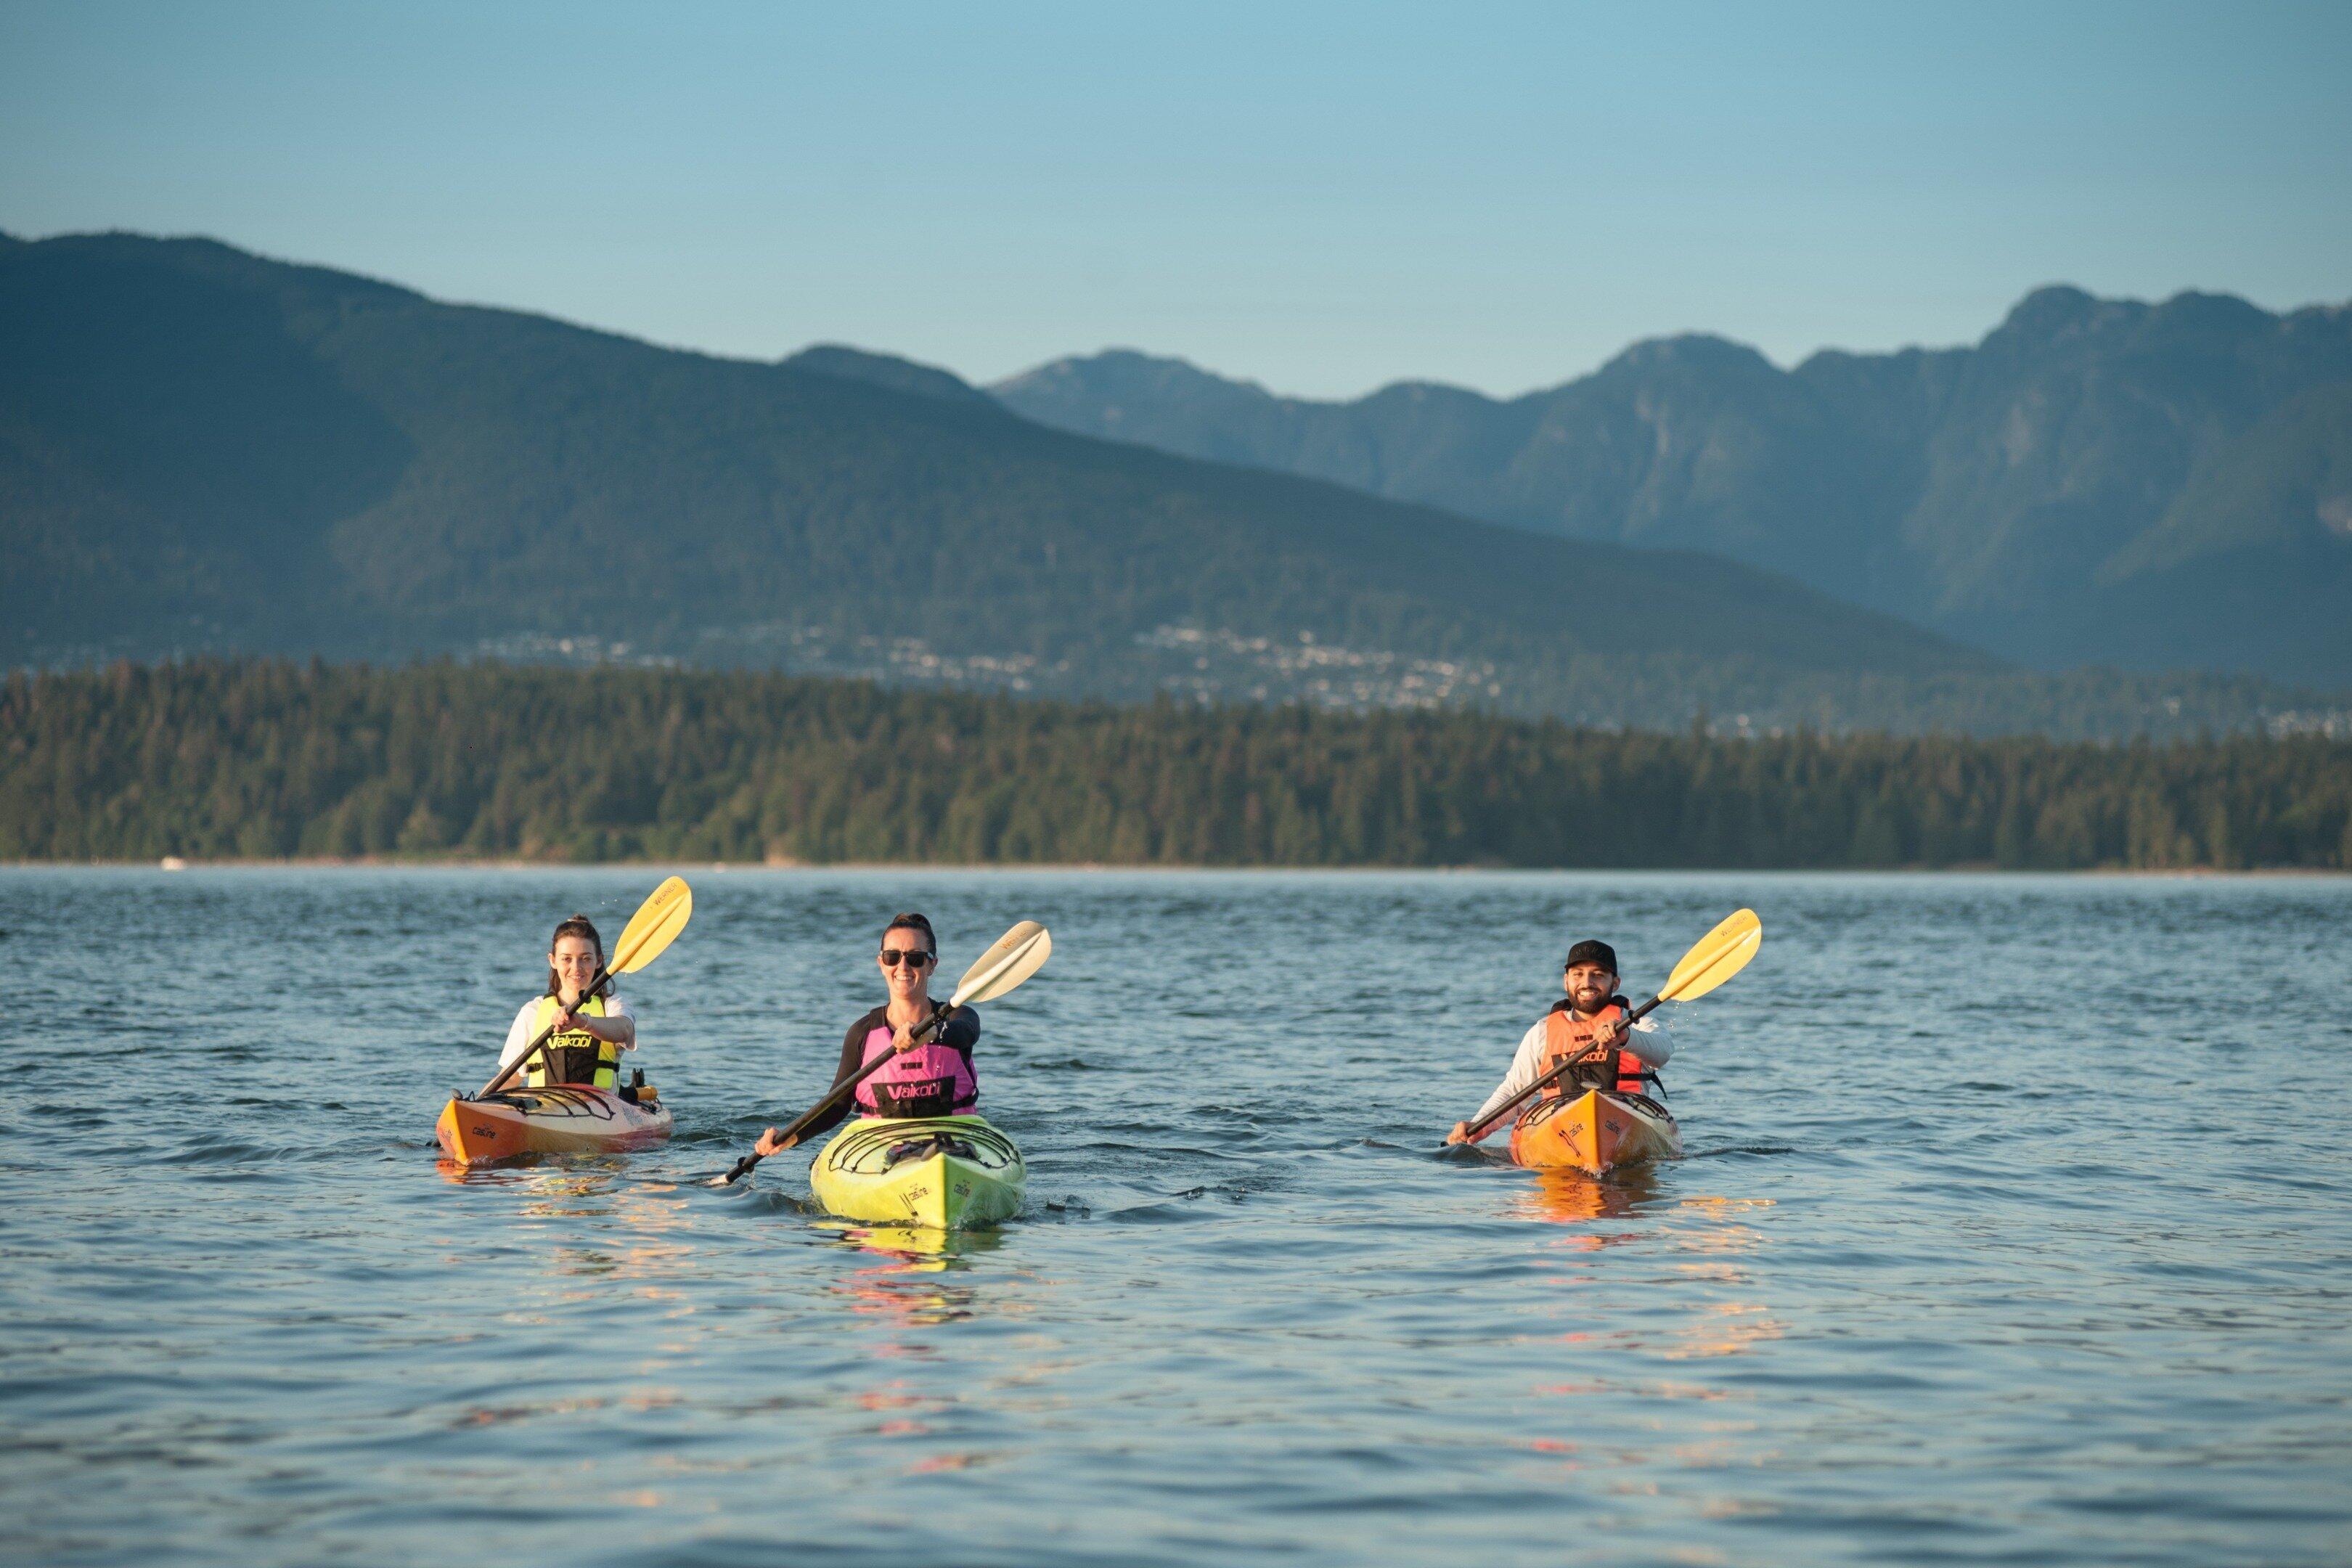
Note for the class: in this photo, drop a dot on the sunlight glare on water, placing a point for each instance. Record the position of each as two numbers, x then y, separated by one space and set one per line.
2013 1228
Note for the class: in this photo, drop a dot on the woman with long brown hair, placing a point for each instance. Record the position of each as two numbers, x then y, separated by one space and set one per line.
591 1030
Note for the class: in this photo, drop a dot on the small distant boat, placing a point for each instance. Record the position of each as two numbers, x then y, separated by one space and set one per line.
172 863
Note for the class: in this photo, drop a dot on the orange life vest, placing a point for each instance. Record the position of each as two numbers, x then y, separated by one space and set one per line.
1567 1037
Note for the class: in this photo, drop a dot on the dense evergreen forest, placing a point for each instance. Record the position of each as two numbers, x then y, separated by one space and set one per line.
263 759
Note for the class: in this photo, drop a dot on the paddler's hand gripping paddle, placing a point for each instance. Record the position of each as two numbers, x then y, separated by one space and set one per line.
1018 955
1720 954
648 933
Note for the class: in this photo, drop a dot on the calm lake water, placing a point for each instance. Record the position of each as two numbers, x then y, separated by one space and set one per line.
2014 1228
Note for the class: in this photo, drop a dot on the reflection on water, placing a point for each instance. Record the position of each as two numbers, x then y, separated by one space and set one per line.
539 1173
1571 1198
1891 1306
910 1278
1681 1223
916 1247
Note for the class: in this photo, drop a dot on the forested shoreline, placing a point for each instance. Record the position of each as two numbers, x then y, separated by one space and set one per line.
250 759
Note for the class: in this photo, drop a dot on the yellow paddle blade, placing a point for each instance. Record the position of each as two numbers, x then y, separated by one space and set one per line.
1018 955
1720 954
654 927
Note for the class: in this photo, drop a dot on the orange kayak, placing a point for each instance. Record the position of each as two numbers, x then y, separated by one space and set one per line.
570 1119
1595 1132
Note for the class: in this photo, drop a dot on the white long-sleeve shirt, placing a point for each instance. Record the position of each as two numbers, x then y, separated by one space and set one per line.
1649 1040
525 1027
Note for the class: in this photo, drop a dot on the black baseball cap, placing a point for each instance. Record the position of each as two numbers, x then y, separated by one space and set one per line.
1591 951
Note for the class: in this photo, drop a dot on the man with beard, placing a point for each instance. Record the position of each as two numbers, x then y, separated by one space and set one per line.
1588 1028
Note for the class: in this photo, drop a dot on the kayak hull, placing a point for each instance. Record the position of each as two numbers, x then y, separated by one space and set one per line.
570 1119
942 1172
1595 1132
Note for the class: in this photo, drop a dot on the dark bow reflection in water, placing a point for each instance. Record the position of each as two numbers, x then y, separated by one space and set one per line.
1982 1251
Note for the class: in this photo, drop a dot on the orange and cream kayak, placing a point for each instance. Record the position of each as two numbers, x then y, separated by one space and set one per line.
1595 1132
570 1119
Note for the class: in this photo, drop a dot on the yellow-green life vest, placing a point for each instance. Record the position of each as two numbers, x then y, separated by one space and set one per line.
576 1056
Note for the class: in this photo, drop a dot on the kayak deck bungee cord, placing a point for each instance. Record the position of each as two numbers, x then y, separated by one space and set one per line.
500 1122
1595 1132
1579 1126
942 1172
564 1118
972 1175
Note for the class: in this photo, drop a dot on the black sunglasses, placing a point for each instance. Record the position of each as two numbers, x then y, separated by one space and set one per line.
914 957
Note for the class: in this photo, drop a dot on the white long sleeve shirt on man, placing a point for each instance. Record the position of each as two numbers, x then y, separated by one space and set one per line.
1648 1040
525 1028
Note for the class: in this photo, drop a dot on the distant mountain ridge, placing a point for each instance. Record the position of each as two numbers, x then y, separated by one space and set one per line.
885 370
201 449
2096 480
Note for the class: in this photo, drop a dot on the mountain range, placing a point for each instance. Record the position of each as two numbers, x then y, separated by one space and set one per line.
2147 485
204 449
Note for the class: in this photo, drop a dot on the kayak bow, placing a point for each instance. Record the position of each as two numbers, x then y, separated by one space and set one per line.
942 1171
1595 1132
568 1119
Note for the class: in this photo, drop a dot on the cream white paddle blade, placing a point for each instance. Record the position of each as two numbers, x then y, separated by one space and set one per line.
654 927
1018 955
1720 954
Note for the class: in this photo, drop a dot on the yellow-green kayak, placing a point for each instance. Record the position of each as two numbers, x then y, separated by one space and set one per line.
941 1170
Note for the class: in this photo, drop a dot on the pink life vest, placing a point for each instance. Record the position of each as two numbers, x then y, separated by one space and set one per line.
929 1080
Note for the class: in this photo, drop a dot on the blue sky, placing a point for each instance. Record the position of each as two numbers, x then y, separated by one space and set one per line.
1323 197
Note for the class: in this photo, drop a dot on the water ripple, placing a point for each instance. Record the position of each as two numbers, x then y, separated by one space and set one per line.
1954 1272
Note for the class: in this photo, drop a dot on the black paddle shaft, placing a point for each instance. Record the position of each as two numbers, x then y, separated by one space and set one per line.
792 1131
603 978
1635 1016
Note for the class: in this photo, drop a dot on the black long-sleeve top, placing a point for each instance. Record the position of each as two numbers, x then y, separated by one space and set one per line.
959 1034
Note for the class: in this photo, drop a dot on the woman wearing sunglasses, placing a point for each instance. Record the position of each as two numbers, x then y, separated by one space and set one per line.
932 1078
